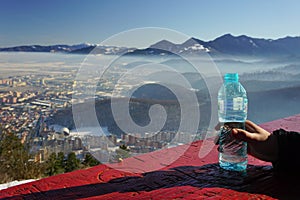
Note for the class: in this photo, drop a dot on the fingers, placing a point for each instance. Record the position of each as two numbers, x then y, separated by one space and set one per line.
253 132
251 127
245 135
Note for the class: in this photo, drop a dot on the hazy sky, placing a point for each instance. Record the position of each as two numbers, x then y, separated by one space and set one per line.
76 21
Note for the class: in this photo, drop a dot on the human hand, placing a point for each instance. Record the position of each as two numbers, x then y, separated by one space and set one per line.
261 144
253 133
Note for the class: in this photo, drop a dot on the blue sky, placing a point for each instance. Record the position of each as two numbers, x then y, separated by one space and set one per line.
71 22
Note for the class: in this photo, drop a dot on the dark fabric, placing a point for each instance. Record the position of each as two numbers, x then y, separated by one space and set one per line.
288 163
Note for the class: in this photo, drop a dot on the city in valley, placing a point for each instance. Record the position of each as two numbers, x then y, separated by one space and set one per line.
37 108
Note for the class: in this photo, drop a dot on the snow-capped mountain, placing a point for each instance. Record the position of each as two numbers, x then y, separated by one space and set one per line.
50 48
106 50
244 45
190 46
236 45
226 44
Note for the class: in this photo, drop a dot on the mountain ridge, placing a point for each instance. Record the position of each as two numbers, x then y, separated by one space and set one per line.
226 44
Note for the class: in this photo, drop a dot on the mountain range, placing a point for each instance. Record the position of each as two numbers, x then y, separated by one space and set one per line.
226 44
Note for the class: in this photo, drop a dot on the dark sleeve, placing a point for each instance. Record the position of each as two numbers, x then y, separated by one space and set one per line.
288 151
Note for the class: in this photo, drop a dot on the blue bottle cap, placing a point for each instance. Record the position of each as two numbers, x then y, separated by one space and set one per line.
231 77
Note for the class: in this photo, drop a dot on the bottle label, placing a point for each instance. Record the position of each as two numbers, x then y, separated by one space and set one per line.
238 103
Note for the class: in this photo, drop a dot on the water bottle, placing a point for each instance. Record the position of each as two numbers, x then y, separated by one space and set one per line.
232 112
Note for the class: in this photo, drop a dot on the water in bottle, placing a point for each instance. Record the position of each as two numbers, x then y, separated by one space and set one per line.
232 112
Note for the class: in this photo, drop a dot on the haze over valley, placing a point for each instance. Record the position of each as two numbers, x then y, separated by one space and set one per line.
44 87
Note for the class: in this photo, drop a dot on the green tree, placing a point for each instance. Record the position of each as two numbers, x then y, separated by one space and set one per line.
72 163
90 161
15 161
55 164
51 165
121 153
60 163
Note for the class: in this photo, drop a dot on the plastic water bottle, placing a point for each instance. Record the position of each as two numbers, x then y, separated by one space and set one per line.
232 112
